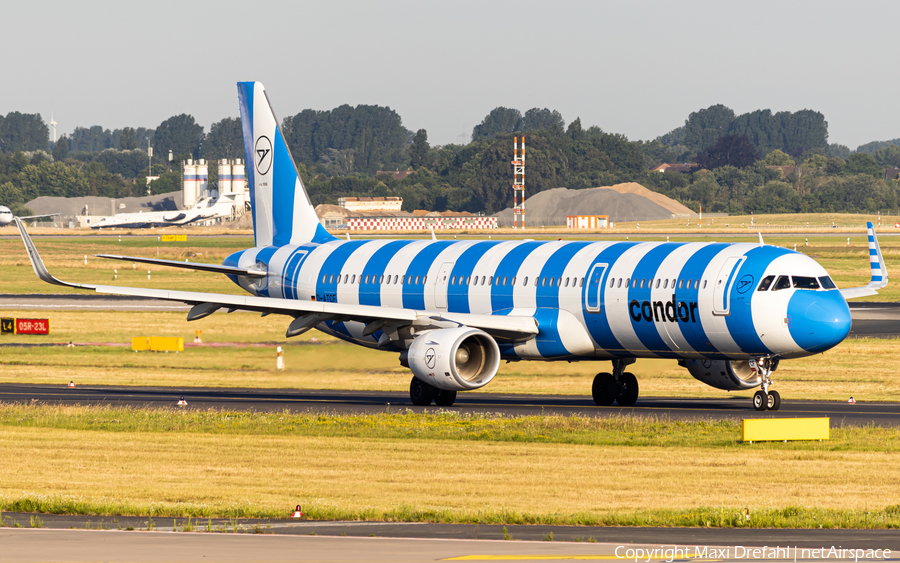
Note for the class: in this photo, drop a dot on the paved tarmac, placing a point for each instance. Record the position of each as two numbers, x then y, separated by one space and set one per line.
47 544
870 320
312 400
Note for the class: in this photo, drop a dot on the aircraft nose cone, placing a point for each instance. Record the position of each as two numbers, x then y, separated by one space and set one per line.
819 319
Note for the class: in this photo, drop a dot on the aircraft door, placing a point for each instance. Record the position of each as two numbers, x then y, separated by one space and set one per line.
291 271
723 283
592 288
441 282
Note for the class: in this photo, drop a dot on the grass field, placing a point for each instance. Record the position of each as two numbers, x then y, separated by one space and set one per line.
864 369
445 467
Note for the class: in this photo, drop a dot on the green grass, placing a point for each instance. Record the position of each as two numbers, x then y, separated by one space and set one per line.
491 440
405 424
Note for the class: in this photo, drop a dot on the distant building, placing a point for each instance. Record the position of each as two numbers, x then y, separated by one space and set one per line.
590 222
342 217
891 173
371 203
395 174
682 168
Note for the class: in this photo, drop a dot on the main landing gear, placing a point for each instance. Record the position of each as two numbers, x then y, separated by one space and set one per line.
764 399
422 394
619 386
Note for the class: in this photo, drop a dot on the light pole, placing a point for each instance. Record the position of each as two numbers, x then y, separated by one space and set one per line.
149 163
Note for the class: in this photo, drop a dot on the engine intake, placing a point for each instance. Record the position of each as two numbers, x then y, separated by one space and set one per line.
728 375
455 359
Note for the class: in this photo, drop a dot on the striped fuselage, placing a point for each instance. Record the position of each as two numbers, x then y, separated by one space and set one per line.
592 300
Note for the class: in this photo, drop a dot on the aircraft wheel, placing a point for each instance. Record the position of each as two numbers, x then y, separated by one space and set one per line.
604 389
420 393
444 398
628 390
760 400
774 402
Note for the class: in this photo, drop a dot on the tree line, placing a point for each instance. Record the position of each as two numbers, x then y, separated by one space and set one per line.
340 151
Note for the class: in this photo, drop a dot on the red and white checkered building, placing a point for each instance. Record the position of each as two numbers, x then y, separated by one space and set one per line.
419 223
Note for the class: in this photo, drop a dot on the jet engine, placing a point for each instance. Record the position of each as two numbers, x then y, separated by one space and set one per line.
728 375
455 359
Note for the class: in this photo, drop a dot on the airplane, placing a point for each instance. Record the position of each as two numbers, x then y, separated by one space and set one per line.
6 216
452 310
205 208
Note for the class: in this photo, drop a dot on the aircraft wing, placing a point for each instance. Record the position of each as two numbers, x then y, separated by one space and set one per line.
306 314
188 265
876 263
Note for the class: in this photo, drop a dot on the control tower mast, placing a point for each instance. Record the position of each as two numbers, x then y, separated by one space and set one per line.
518 183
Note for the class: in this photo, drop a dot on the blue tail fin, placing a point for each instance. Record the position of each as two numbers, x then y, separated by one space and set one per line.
282 211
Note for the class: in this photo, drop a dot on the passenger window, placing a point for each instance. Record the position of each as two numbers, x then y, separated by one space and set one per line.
353 279
704 284
543 282
505 278
395 279
783 282
424 280
339 279
612 282
513 281
324 278
627 282
620 283
482 280
367 279
827 282
331 278
765 283
581 282
381 279
642 282
805 282
525 281
417 280
553 279
657 283
680 284
346 278
491 280
402 280
666 284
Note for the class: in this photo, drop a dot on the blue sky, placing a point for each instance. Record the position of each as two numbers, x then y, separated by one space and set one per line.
636 68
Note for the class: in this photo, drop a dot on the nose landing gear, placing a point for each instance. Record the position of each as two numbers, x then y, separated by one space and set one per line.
765 399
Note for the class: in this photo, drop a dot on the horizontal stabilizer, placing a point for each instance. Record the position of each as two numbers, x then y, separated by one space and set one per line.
189 265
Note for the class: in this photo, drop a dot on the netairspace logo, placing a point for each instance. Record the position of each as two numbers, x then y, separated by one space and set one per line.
670 554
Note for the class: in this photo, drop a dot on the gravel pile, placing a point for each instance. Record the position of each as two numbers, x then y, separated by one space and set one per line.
622 202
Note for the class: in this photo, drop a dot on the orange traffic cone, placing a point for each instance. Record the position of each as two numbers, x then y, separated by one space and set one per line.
298 513
71 384
182 402
851 400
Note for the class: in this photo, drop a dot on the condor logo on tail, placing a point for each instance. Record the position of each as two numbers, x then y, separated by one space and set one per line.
659 311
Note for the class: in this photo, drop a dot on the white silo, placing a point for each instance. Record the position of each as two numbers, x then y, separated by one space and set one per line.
202 178
224 176
189 184
239 184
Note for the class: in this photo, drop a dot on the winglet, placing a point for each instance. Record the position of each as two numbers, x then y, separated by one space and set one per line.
876 260
879 271
38 264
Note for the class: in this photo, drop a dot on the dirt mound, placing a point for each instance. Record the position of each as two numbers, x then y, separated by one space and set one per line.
622 202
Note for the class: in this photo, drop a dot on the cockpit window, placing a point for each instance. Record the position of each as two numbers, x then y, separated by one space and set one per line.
783 282
804 282
765 283
827 283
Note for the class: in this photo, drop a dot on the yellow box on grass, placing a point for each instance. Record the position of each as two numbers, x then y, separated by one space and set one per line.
783 429
158 343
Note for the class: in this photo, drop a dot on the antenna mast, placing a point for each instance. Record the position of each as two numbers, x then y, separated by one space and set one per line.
518 183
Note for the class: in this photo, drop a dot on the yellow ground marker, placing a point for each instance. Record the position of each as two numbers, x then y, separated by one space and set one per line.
784 429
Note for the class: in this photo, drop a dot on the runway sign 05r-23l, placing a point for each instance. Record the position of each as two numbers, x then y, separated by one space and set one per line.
25 326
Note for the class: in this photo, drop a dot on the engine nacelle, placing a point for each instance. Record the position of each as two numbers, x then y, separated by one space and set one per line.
455 359
728 375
